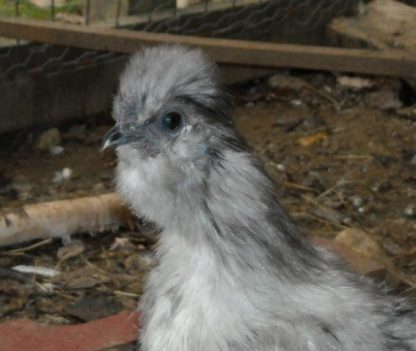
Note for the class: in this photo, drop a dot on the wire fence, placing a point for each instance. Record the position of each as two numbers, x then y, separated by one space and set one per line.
263 20
64 82
276 20
31 60
202 17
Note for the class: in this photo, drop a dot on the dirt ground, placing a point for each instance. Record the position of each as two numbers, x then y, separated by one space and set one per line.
342 150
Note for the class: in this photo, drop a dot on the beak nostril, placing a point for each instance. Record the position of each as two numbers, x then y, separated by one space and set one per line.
115 136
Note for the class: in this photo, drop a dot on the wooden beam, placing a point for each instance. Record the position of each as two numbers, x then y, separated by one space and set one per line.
226 51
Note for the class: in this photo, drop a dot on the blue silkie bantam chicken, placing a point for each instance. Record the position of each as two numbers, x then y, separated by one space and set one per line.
233 274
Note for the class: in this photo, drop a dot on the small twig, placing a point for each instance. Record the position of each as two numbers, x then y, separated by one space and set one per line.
315 202
406 279
93 266
404 254
30 247
331 189
127 294
353 157
298 186
318 219
66 296
325 209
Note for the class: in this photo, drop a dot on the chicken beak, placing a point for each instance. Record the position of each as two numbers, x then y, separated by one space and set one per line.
115 137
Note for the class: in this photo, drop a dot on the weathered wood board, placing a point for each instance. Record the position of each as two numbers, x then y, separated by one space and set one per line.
383 24
225 51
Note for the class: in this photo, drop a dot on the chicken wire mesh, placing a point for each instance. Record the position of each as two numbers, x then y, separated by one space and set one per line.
25 60
263 20
276 20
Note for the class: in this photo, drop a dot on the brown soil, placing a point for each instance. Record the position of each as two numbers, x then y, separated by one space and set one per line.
341 158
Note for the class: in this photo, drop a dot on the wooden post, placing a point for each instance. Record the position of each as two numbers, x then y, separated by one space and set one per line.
234 52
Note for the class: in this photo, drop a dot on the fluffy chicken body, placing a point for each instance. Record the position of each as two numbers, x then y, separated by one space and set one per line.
233 273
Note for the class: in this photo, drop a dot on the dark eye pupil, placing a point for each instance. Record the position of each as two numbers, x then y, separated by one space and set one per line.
171 120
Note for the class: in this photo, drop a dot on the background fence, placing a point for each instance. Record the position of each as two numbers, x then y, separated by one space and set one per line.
50 78
280 21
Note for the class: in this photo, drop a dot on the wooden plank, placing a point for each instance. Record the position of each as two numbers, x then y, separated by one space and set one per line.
236 52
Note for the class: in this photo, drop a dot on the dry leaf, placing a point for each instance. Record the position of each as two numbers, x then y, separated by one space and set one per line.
82 278
312 139
360 242
120 242
72 249
355 83
42 271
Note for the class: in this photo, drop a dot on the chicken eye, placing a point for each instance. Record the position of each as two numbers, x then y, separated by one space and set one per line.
171 121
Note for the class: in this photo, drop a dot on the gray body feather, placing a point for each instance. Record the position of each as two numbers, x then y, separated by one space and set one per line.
233 273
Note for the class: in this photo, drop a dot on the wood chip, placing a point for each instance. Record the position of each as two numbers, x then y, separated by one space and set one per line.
312 139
